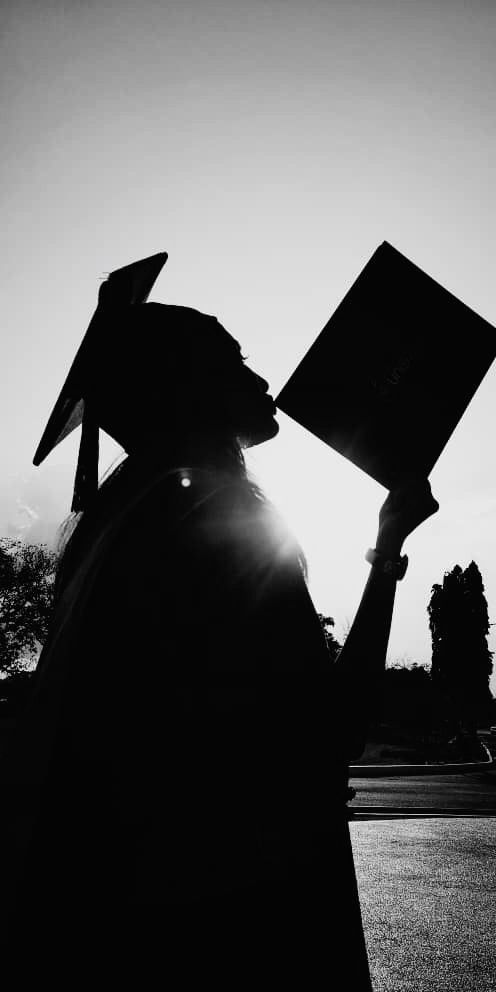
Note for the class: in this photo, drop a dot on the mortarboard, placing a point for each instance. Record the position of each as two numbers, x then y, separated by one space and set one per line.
126 286
391 374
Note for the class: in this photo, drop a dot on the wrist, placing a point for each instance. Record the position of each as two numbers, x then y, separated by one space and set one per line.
389 549
393 566
389 545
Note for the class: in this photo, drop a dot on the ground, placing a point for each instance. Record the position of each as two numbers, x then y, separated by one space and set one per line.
427 891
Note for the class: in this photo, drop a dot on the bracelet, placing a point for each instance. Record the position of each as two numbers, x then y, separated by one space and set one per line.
395 569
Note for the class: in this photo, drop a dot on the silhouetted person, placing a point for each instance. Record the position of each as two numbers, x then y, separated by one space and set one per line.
188 733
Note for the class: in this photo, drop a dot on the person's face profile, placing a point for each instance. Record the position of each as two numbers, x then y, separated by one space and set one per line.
195 380
249 406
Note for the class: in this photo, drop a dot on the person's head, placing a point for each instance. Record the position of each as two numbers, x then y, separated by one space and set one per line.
167 375
171 386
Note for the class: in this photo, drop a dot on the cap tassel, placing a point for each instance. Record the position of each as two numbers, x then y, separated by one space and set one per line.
86 481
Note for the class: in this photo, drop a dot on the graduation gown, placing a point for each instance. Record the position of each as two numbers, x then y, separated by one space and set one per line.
190 784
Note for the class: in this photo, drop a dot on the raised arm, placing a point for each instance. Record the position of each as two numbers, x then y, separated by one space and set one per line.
362 659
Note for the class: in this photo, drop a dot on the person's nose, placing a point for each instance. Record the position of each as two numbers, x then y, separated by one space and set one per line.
264 385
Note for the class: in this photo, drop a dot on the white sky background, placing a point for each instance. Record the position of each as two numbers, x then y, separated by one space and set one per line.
269 147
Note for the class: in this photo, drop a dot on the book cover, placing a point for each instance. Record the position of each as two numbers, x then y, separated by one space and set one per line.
389 377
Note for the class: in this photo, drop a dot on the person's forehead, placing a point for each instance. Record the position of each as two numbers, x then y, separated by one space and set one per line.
226 339
165 329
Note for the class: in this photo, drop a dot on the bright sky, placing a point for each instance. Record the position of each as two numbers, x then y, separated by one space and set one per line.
269 147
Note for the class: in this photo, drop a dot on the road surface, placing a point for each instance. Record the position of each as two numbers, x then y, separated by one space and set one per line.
427 886
427 889
467 792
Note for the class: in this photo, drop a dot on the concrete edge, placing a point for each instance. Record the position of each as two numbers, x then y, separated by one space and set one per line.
377 771
360 815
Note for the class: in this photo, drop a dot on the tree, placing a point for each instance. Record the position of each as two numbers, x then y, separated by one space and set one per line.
333 645
27 573
406 699
461 659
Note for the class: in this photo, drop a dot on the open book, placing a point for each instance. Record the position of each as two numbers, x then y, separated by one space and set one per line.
392 372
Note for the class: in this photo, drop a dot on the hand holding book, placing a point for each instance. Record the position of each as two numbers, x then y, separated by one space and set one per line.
403 511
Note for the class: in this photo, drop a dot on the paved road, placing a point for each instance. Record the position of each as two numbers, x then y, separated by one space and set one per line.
427 894
441 792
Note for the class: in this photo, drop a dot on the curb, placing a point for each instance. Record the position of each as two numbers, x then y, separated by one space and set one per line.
362 813
378 771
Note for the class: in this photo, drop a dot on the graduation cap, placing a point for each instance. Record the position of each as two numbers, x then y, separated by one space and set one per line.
392 372
123 287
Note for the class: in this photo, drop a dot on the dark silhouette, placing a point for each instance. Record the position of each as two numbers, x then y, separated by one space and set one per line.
407 698
461 659
26 601
411 722
333 645
185 750
387 379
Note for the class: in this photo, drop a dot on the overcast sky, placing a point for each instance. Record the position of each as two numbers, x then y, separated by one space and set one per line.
269 147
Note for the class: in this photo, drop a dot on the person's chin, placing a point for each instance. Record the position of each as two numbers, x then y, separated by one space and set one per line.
259 433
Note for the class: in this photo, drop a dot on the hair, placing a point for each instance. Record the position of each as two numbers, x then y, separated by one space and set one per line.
127 484
84 535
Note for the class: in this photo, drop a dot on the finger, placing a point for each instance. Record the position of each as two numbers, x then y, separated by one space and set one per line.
412 486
